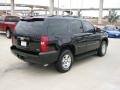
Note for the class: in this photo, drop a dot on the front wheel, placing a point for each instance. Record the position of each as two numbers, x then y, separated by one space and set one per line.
102 49
8 33
65 61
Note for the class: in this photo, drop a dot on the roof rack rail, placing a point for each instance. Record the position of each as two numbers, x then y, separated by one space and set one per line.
63 16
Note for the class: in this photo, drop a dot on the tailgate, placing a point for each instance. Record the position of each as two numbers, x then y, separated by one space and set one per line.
27 34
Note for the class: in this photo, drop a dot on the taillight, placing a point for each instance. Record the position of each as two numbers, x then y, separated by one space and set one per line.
44 43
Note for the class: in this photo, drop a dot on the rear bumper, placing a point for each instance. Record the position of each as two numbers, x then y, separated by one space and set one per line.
41 58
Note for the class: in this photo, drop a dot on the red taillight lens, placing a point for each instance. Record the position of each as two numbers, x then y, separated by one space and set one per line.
44 43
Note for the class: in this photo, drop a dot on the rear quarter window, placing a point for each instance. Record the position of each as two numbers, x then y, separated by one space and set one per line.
57 27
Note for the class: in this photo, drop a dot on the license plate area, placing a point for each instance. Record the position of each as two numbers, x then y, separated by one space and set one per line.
23 43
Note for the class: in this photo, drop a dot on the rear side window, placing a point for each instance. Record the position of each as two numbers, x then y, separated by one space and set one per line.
59 26
12 19
76 27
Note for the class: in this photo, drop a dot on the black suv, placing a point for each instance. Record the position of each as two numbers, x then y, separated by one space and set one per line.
47 40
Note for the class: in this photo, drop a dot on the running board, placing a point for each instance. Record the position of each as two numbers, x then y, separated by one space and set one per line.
81 56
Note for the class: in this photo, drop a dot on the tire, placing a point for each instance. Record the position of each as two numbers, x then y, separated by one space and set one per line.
102 49
8 33
64 62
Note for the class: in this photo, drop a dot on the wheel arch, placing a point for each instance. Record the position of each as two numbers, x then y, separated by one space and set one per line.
8 28
68 46
105 39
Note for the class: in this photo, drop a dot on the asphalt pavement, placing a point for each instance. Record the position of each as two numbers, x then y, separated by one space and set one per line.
91 73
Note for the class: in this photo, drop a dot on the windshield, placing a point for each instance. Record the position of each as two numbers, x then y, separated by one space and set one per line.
12 19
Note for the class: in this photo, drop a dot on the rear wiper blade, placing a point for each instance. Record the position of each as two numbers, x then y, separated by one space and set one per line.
32 19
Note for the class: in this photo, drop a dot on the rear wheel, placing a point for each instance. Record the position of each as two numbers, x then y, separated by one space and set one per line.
102 49
65 61
8 33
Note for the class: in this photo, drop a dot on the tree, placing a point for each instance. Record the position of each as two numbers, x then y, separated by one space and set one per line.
113 17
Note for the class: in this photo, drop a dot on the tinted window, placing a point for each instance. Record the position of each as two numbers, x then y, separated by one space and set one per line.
59 26
76 27
30 28
88 27
1 18
12 19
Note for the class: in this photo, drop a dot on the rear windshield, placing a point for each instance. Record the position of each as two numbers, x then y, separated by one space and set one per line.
29 27
12 19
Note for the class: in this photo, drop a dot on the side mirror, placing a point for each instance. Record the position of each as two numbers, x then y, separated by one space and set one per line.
97 29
